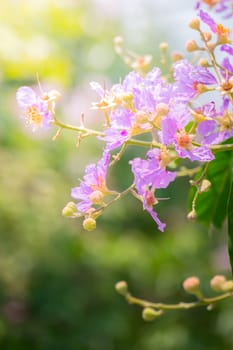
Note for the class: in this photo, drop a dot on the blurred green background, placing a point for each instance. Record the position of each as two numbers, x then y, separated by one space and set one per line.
57 281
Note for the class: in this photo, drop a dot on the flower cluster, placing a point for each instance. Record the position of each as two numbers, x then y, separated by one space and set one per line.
37 110
224 7
166 116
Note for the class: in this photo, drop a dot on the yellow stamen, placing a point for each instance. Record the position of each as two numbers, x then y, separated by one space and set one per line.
33 116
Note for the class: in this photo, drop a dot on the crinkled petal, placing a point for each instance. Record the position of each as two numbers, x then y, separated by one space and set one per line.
207 19
97 88
81 192
169 129
227 48
202 154
84 206
26 96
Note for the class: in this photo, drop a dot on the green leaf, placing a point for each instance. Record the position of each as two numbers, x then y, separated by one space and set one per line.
230 226
212 206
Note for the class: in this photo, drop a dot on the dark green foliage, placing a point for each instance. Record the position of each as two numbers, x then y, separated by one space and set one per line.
230 225
212 206
215 206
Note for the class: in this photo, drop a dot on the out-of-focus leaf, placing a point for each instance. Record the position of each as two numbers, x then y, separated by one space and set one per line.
230 226
211 206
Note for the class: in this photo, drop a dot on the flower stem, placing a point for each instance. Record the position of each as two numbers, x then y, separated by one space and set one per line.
181 305
80 129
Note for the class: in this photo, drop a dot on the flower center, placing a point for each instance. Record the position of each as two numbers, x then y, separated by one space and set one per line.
226 86
150 199
183 139
33 115
210 2
220 30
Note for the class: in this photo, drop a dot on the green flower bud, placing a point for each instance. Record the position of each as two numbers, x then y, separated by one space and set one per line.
128 97
121 287
69 209
227 286
89 224
203 62
149 314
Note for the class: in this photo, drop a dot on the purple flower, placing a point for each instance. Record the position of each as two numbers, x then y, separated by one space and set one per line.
225 6
225 121
207 127
149 175
120 130
135 110
219 6
35 109
182 141
217 126
221 32
93 185
189 80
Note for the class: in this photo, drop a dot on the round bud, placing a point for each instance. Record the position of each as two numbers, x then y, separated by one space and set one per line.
118 43
118 40
96 197
162 109
54 95
200 88
194 24
205 186
203 62
217 282
176 56
211 46
227 286
165 158
141 117
128 97
192 215
44 96
141 62
163 46
121 287
89 224
210 307
207 36
191 46
149 314
191 284
69 209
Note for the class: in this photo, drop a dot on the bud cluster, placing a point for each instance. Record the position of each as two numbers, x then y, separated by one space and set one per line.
191 285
